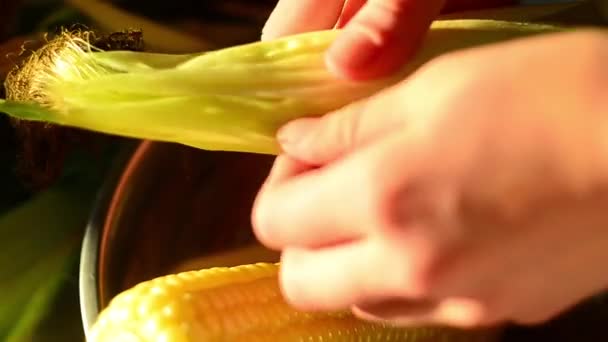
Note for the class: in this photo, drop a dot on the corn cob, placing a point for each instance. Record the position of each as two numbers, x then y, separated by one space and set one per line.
230 258
241 303
231 99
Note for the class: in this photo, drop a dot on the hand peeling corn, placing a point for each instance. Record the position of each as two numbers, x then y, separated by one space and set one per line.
234 100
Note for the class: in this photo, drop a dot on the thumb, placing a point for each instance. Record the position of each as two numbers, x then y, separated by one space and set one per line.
321 140
381 36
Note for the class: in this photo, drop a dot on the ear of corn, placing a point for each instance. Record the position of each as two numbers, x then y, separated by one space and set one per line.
241 303
231 99
230 258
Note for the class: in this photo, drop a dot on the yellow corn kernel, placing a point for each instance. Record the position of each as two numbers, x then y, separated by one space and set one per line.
241 303
230 258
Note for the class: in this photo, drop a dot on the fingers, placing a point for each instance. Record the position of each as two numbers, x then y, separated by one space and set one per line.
337 203
297 16
318 208
458 312
328 279
381 37
392 309
319 141
285 167
351 7
335 278
376 268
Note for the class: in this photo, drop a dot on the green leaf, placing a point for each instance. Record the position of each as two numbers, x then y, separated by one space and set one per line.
232 99
25 111
50 277
39 240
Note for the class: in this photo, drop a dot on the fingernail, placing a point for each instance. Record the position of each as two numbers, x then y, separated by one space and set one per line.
295 133
390 309
351 51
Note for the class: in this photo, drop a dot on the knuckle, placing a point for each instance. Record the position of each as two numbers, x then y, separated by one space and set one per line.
402 206
380 209
426 262
343 126
415 274
380 20
371 30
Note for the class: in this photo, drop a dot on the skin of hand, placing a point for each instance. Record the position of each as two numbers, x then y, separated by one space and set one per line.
471 193
378 36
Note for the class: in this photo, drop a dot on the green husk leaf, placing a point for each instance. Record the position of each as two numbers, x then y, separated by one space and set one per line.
232 99
40 240
41 285
25 110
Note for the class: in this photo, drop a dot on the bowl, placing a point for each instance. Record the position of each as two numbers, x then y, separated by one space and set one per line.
165 205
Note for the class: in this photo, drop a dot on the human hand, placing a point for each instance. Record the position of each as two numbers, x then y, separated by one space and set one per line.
380 37
470 194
